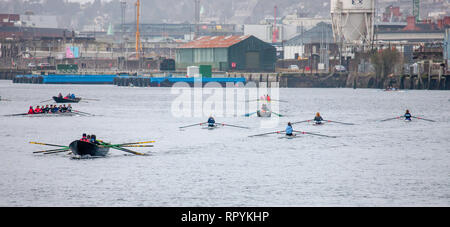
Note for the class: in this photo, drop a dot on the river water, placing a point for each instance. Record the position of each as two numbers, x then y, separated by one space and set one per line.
372 163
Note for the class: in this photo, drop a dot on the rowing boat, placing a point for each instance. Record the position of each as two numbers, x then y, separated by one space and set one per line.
262 113
67 114
289 137
66 100
82 148
211 128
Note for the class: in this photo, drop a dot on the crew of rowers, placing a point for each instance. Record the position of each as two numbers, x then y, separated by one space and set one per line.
68 96
89 139
266 98
50 109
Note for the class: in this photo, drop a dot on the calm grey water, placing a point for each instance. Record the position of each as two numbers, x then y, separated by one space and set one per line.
370 164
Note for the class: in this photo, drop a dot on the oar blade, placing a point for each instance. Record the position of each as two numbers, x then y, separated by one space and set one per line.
46 144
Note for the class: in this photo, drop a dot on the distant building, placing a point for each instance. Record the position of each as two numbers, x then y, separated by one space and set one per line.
310 42
39 21
8 20
265 31
225 53
304 23
177 31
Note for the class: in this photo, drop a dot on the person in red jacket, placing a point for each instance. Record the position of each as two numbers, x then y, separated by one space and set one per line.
31 111
38 110
84 139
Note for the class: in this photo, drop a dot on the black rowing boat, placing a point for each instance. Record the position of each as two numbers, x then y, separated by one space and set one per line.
66 100
82 148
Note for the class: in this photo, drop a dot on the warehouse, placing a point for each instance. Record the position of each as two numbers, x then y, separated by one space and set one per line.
228 53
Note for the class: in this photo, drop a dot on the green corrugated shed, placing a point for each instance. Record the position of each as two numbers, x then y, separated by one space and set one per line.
224 53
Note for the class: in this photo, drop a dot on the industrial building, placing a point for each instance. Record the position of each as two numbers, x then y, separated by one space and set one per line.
310 42
228 53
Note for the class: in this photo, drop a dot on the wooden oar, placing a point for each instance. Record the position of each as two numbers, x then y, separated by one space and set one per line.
127 144
315 134
128 151
198 124
423 119
337 122
269 133
55 150
137 146
46 144
235 126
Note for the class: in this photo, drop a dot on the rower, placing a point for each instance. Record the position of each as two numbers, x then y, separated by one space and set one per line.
264 108
46 109
72 96
31 110
289 130
64 108
60 109
211 122
38 110
55 109
84 138
268 98
408 116
60 95
69 108
318 119
88 138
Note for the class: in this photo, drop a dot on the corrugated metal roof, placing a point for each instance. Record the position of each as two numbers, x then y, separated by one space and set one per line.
214 42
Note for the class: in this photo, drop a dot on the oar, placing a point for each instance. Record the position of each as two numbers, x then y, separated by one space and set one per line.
298 122
337 122
88 114
126 144
47 100
269 133
38 152
91 99
55 152
137 146
423 119
46 144
274 100
129 151
15 115
249 114
315 134
235 126
279 115
198 124
390 119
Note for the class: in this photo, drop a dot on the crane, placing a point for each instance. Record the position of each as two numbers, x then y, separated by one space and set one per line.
138 33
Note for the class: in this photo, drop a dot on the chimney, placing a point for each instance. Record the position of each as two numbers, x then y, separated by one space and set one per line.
411 26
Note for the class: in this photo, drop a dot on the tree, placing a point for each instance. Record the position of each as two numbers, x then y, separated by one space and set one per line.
384 62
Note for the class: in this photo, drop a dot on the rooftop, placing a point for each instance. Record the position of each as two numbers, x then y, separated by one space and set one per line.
214 42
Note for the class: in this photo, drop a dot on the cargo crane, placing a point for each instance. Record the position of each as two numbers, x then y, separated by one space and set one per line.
416 10
275 28
138 33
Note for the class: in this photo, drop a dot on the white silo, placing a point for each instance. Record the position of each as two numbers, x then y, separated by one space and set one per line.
353 21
